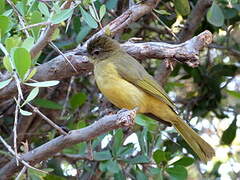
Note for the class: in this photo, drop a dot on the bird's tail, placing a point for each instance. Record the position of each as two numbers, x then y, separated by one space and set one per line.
204 151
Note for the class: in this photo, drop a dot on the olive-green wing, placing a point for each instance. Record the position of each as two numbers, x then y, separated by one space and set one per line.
131 70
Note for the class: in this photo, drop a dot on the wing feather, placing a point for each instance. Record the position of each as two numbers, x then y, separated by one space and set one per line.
131 70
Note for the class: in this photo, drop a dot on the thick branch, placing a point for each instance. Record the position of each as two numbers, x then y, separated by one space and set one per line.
59 69
186 52
105 124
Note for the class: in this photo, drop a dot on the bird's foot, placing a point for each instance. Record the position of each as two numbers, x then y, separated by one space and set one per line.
169 64
126 117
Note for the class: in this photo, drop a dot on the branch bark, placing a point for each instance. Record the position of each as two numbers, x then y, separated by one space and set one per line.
103 125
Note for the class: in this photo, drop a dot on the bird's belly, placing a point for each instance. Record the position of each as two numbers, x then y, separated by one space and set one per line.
122 93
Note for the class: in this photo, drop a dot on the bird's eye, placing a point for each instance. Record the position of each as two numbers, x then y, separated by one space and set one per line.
96 52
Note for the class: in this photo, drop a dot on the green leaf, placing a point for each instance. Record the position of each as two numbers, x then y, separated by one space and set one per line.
102 11
147 122
83 33
182 6
177 172
113 166
28 43
7 63
162 12
230 133
118 138
5 25
101 156
138 159
35 18
5 83
22 61
31 95
184 161
215 15
159 156
141 176
43 9
92 12
44 103
12 42
61 16
234 93
25 113
2 6
31 74
77 100
43 84
88 18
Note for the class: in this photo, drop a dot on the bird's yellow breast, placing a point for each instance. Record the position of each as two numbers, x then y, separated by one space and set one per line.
120 92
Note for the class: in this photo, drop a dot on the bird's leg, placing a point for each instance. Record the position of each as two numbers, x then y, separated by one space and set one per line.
126 117
169 63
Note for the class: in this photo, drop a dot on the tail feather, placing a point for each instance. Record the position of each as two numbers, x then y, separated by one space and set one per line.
204 151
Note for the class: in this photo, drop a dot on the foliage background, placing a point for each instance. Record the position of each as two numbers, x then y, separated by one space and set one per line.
207 96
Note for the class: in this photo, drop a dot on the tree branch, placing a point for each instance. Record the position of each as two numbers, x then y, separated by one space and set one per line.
103 125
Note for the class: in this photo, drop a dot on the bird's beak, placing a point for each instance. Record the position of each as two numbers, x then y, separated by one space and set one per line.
81 52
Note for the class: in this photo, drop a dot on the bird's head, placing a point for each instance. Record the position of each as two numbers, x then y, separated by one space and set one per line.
101 47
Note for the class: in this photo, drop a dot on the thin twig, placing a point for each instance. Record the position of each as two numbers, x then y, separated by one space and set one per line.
36 110
18 157
21 19
15 126
61 53
67 96
21 173
167 28
35 25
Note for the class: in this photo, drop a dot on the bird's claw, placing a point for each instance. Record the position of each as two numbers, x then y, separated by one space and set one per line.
169 64
126 117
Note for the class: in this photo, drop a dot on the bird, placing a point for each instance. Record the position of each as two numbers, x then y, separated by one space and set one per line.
127 85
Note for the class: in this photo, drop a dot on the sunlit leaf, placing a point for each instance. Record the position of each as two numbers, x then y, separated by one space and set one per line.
5 83
43 84
36 17
31 74
61 16
234 93
31 95
102 11
22 61
7 63
88 18
25 113
28 43
5 24
215 15
43 9
182 6
13 41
